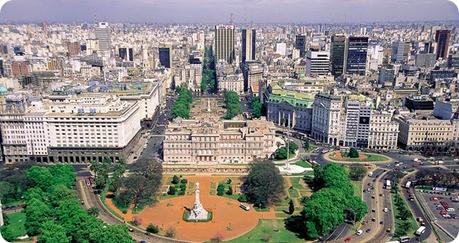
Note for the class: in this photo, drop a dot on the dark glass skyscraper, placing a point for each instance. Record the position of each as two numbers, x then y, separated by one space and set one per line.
338 54
442 37
126 54
300 44
165 57
248 45
357 47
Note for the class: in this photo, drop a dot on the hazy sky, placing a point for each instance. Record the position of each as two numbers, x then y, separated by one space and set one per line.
218 11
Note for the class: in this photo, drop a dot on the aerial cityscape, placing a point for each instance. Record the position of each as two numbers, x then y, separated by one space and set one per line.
155 122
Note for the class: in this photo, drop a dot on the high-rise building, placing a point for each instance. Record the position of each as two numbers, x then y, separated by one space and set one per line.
400 51
357 47
165 57
442 37
317 63
300 44
248 45
2 69
102 33
338 54
126 54
224 43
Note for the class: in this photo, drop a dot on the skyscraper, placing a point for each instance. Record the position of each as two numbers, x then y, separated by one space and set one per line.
102 33
442 37
400 51
224 43
165 57
126 54
300 44
317 63
338 54
248 45
357 47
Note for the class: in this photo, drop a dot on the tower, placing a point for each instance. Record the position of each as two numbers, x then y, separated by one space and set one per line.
357 47
103 34
442 37
337 54
165 57
300 44
224 43
248 45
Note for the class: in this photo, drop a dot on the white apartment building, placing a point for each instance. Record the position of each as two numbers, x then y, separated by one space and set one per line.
357 122
69 129
383 133
317 63
326 119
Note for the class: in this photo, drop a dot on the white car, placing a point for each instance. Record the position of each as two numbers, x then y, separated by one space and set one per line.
385 210
359 232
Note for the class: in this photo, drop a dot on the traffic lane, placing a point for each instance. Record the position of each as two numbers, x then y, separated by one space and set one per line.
339 233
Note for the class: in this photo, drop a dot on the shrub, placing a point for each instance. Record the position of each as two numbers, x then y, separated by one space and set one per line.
242 198
175 179
172 190
184 181
230 190
220 189
151 228
170 232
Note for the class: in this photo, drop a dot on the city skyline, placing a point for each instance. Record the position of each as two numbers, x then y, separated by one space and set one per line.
211 11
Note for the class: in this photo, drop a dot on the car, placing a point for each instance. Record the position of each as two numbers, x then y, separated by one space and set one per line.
373 197
388 230
368 230
359 232
373 219
131 230
373 210
385 210
381 222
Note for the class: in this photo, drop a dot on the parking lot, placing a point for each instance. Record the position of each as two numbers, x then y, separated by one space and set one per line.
444 209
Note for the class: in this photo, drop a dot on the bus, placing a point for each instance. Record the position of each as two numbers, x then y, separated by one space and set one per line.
387 184
420 231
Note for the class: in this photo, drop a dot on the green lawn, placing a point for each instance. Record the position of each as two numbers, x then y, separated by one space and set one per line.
303 164
369 158
15 226
268 231
358 190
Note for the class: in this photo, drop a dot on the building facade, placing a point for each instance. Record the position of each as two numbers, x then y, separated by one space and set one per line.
356 55
338 54
383 133
248 45
208 142
326 119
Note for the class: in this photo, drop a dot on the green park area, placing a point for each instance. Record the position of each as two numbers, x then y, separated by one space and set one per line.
174 186
269 231
353 155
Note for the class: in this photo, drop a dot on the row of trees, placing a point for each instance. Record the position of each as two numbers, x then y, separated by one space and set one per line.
257 107
332 203
233 104
181 107
54 214
209 78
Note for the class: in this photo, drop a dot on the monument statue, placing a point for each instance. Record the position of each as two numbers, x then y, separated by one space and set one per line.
198 212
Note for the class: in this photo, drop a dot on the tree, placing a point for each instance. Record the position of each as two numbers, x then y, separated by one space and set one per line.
230 190
40 177
291 207
144 181
37 212
94 211
101 169
306 145
52 232
256 107
280 153
264 184
6 191
172 190
353 153
356 173
151 228
112 233
175 179
220 189
181 107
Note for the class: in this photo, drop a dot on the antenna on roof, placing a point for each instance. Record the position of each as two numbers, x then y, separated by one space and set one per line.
231 18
